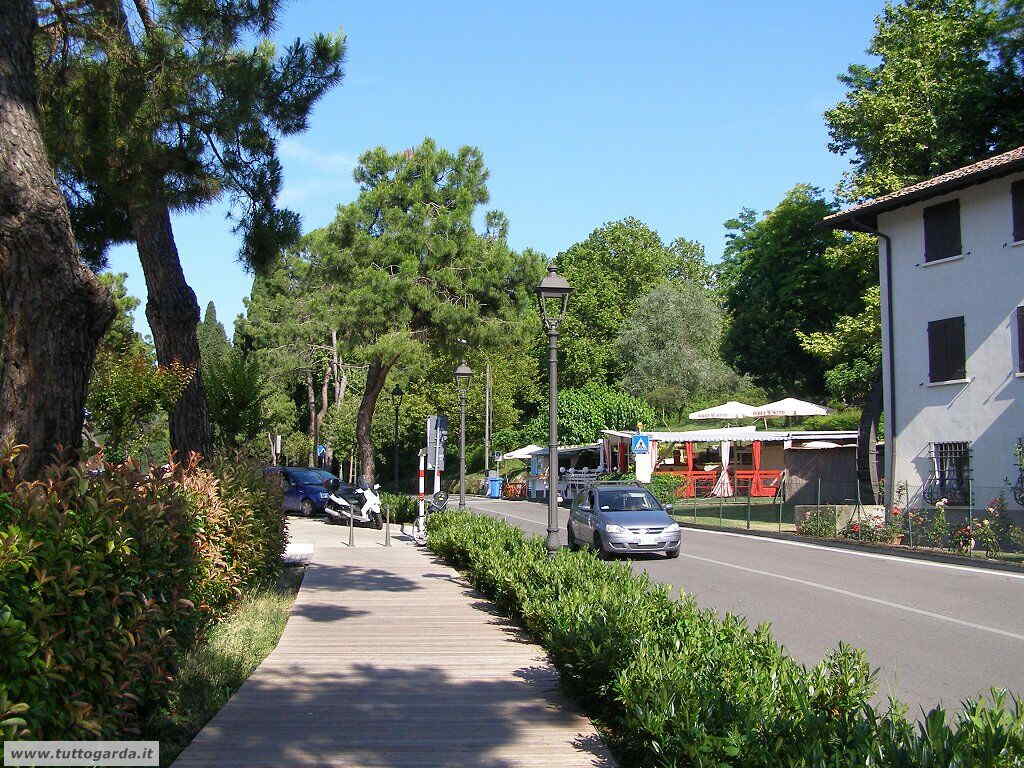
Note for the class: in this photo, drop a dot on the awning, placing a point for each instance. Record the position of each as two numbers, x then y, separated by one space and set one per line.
730 410
789 406
521 453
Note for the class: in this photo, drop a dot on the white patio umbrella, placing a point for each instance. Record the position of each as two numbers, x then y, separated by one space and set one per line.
727 411
789 406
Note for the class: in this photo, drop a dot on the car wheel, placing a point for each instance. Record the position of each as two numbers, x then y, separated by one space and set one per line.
307 508
672 554
599 549
571 537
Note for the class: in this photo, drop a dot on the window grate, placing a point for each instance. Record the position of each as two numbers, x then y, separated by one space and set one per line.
951 474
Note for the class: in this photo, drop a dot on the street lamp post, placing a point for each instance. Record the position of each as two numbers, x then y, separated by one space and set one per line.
462 374
398 394
553 297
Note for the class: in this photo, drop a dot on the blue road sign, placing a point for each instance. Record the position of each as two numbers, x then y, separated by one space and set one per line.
640 444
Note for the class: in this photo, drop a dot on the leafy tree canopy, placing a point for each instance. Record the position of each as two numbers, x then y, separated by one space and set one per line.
213 339
947 91
610 271
671 345
584 411
777 281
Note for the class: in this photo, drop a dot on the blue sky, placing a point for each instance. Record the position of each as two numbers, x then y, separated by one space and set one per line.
677 113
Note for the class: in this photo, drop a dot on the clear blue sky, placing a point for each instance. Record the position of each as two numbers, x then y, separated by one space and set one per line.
677 113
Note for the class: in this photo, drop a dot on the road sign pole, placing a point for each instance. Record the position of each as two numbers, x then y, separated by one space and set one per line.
420 508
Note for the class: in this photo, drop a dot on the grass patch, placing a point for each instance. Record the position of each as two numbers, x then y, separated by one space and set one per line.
218 666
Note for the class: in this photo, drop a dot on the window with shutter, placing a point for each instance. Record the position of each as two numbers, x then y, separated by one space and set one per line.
1020 339
942 231
947 350
1017 204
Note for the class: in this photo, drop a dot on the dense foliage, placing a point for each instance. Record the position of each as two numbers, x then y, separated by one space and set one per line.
947 91
676 685
778 282
107 579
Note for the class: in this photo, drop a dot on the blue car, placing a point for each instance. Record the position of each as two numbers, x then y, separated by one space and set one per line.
305 489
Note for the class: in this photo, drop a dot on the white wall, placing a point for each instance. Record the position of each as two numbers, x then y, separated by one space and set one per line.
985 286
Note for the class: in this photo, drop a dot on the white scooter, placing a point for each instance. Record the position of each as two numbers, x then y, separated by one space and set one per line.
367 511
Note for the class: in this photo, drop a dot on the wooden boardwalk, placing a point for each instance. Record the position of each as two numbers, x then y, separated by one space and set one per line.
390 659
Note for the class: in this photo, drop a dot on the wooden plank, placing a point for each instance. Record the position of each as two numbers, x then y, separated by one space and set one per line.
391 659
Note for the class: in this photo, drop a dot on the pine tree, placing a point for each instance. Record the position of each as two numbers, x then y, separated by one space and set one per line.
55 311
155 108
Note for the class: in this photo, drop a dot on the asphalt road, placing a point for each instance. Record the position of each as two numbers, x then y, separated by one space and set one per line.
936 632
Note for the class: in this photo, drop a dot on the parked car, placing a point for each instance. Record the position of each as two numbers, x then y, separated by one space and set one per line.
305 488
622 519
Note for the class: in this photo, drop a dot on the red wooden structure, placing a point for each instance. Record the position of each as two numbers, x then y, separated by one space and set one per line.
752 482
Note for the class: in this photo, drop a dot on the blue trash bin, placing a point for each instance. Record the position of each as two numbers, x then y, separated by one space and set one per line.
494 487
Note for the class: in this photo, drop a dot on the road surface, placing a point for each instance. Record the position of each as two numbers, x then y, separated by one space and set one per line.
937 632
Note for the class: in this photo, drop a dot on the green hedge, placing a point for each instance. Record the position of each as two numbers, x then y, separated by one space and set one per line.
106 580
401 507
675 685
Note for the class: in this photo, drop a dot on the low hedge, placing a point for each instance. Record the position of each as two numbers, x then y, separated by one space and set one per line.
674 685
107 579
402 508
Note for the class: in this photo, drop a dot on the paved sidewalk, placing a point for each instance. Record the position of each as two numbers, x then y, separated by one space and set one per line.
391 659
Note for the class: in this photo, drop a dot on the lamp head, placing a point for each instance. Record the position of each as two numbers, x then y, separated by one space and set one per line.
462 374
553 297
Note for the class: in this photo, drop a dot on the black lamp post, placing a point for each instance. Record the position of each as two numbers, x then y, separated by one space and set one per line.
398 394
553 297
462 374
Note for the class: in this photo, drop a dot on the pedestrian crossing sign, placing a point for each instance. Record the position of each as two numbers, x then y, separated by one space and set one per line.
640 444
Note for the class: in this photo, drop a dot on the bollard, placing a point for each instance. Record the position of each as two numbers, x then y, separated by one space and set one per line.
352 528
418 527
387 526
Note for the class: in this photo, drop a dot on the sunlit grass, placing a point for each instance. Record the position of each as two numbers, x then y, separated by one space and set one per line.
214 670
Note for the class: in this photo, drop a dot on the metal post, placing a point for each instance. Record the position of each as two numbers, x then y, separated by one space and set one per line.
748 509
462 449
387 526
398 405
719 511
421 511
552 538
352 528
817 501
487 418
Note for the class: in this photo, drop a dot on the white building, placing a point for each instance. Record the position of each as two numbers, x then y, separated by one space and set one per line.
951 253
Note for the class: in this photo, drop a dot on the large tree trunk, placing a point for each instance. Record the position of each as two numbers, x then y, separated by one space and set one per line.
311 404
867 442
56 311
375 378
173 314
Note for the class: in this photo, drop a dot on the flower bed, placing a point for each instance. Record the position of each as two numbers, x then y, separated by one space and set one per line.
675 685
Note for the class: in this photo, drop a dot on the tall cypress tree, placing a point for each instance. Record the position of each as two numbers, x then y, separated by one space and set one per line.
154 108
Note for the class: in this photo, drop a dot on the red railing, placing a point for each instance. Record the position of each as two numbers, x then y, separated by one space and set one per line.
762 482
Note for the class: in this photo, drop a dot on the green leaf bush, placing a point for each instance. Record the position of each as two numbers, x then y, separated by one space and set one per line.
674 685
401 507
107 579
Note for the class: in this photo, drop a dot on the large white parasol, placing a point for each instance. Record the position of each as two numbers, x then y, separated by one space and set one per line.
789 406
726 411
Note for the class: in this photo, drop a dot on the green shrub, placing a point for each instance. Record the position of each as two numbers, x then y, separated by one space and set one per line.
106 580
664 487
676 685
821 522
402 508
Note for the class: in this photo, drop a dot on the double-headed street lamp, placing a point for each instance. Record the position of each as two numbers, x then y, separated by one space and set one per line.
397 393
553 297
462 374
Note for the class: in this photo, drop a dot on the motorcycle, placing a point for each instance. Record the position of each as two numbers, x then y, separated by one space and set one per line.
364 507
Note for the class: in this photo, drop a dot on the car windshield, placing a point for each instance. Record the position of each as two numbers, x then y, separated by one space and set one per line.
305 477
325 475
628 500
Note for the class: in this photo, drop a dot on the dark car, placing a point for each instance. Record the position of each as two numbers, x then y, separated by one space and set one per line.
622 519
305 488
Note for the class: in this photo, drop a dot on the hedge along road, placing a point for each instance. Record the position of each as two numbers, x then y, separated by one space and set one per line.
937 633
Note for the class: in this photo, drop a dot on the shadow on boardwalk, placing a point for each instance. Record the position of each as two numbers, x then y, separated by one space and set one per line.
391 660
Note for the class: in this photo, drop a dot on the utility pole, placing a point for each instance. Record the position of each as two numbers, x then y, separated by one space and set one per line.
487 418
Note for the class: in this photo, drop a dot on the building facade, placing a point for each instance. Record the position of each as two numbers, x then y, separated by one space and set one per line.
951 254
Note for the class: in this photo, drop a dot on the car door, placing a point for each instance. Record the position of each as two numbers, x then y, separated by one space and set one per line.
585 530
292 494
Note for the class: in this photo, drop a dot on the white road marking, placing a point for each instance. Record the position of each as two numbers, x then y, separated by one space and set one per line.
859 596
852 553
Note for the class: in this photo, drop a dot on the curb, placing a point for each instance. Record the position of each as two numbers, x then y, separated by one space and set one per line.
883 549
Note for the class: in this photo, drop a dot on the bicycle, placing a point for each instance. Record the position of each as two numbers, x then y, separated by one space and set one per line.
438 503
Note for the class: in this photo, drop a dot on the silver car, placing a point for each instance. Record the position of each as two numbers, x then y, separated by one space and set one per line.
622 519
